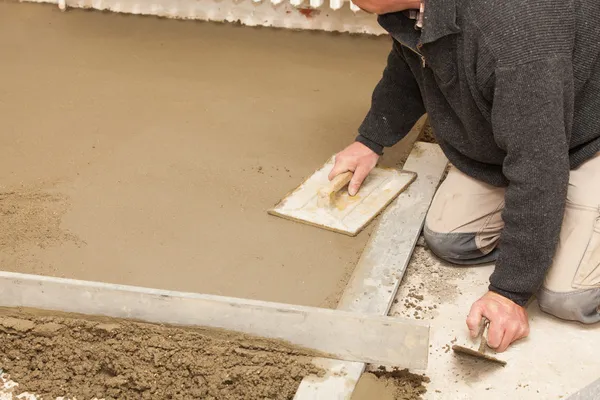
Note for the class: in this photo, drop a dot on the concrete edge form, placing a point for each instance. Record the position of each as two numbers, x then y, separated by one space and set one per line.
385 340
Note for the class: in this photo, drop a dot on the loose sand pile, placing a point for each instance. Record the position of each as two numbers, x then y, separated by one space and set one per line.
61 355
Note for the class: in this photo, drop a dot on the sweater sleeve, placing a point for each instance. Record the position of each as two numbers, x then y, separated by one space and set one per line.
396 105
532 116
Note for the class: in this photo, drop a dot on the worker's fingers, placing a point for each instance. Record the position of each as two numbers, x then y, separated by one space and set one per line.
338 168
474 320
521 331
343 163
508 321
361 173
496 333
511 332
351 157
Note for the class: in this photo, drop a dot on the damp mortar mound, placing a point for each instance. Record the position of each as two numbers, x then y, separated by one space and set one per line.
394 384
55 354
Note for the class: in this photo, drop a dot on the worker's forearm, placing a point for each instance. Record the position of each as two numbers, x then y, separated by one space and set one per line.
532 118
529 239
396 105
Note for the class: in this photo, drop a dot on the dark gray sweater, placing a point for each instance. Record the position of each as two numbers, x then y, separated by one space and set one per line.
512 90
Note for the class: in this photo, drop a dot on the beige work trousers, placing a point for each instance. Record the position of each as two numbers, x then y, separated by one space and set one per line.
464 225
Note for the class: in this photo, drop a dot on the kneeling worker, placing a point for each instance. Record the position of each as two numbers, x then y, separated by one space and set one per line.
512 91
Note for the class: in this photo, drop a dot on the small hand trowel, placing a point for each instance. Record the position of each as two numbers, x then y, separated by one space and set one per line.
480 353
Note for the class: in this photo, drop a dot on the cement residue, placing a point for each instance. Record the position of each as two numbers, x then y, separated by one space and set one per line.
428 135
390 385
54 356
427 283
31 217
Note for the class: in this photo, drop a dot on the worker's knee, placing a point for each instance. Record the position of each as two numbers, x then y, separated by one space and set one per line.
582 306
457 248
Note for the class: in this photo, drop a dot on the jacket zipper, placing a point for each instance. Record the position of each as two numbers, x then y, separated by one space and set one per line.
421 56
423 62
419 46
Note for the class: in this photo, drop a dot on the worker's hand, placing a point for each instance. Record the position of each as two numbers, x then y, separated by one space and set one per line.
387 6
508 320
357 158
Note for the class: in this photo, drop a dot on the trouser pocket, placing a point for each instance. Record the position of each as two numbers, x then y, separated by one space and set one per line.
588 272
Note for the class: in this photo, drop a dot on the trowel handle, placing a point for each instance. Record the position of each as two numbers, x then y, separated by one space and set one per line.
486 326
339 182
326 194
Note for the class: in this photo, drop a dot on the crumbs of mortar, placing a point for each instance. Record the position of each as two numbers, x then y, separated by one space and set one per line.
427 283
408 386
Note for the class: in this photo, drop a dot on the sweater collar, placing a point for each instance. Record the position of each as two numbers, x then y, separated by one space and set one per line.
439 20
